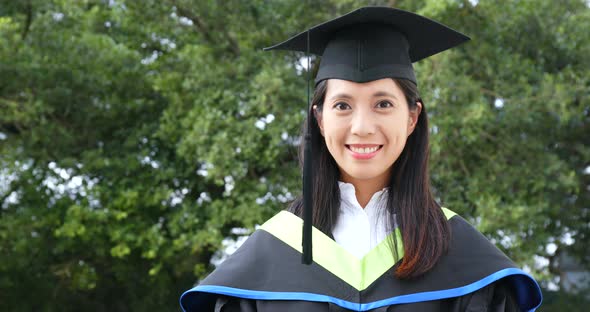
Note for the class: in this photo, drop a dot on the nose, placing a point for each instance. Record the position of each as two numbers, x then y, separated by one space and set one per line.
363 123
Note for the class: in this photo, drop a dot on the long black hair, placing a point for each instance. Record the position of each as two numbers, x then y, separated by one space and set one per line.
424 229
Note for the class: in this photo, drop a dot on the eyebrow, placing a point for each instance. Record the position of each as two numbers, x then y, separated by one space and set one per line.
376 94
383 93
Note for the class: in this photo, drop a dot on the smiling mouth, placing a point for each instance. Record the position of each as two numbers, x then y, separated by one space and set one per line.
364 148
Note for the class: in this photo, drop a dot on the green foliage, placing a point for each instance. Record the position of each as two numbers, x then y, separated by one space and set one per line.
562 301
134 135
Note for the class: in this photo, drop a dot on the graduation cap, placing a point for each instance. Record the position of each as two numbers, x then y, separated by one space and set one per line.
367 44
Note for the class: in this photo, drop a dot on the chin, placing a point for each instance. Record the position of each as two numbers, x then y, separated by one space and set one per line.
360 174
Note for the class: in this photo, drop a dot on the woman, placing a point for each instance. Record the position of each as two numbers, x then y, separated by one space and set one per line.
381 242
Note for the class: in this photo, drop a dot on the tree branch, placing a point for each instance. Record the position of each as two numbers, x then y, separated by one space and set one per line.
197 22
204 29
28 21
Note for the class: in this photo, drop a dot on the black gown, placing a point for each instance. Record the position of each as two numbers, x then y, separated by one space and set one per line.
265 274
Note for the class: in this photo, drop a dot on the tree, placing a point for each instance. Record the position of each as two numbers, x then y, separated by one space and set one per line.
135 135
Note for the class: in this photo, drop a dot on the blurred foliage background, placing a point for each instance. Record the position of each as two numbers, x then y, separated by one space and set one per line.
136 135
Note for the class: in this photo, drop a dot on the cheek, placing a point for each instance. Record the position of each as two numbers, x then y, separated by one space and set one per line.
395 123
396 132
334 129
334 139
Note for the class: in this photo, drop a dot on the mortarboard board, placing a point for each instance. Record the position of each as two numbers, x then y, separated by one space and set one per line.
367 44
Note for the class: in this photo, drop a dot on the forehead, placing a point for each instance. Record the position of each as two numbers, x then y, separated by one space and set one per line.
356 89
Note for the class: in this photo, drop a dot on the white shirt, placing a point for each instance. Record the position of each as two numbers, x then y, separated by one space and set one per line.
359 230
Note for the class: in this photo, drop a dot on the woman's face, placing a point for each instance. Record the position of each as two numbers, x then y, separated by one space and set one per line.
365 126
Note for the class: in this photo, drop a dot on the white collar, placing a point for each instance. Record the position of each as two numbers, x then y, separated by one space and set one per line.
359 230
348 197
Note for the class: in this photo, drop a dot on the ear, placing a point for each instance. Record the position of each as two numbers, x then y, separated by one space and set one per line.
318 117
413 120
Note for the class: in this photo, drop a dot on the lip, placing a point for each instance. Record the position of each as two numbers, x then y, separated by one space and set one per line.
363 156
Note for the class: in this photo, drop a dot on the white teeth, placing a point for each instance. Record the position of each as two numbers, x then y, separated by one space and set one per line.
365 150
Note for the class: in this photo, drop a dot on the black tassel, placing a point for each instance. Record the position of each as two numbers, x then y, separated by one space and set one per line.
307 178
307 203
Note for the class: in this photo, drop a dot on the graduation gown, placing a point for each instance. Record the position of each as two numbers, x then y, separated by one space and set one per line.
266 274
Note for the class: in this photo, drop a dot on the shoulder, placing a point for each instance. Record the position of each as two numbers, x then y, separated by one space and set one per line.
486 272
466 240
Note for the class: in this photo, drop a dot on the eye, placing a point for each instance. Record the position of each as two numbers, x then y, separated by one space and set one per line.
384 104
341 106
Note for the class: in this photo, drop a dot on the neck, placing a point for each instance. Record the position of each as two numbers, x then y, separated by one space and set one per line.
364 189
